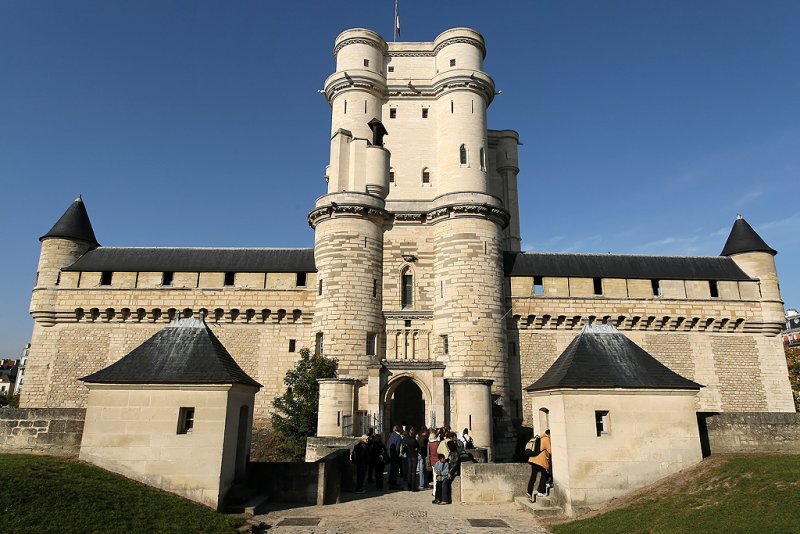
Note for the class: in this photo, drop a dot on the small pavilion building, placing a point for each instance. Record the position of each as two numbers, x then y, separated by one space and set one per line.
619 419
175 413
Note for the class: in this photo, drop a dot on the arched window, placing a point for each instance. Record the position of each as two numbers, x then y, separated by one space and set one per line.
426 176
462 155
406 288
483 159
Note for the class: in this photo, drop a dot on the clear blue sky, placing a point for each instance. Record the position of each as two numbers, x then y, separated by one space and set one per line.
647 125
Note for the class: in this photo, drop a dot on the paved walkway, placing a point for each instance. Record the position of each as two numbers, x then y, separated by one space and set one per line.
398 511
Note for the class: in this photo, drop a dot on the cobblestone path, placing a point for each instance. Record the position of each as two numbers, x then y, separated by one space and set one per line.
399 511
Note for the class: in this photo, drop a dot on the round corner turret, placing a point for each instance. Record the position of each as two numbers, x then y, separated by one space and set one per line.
459 49
360 49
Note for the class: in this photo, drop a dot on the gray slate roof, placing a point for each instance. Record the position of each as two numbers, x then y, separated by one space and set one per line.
602 357
74 224
622 266
186 351
240 260
744 239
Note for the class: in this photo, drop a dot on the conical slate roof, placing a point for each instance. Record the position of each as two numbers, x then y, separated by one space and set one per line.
74 224
602 357
186 351
744 239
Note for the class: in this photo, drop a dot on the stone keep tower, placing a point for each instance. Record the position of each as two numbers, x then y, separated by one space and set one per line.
409 252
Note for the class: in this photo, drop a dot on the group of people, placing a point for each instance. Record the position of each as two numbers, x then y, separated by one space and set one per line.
417 460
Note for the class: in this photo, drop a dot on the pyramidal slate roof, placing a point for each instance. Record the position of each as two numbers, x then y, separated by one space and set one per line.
74 224
600 356
744 239
185 351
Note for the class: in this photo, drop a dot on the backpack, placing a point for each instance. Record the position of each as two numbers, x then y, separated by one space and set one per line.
403 450
534 447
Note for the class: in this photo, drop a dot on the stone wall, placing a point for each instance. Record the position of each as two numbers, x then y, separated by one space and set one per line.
482 483
751 432
56 431
319 482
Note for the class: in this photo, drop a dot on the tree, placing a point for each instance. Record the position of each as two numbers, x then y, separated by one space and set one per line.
296 411
10 401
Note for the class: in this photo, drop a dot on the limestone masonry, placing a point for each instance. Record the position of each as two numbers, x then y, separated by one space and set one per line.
416 282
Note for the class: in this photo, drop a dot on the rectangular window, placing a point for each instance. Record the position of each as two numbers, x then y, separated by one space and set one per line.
292 345
105 278
167 278
538 285
372 341
407 297
319 289
445 345
598 285
512 349
452 62
318 344
300 280
407 323
424 113
374 288
366 63
426 177
713 289
601 422
230 279
391 177
185 420
391 69
656 285
392 113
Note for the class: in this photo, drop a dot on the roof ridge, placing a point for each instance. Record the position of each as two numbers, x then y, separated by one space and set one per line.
607 254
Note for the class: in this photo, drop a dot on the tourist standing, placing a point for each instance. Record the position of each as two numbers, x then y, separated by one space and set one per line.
393 444
361 458
378 456
440 473
412 458
422 464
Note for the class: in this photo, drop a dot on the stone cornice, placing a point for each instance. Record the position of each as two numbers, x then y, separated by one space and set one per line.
499 215
460 40
358 40
333 209
420 365
402 315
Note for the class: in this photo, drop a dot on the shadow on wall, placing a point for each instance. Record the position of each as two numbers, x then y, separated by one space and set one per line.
319 482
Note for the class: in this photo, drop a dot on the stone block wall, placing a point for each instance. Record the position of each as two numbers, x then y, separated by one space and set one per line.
55 431
753 432
492 483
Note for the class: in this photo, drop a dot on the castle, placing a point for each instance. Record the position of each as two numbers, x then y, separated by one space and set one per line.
416 282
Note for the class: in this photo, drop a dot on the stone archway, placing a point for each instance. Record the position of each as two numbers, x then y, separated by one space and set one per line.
405 404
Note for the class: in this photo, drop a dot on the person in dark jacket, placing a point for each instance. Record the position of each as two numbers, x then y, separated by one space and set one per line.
393 445
361 458
378 456
412 456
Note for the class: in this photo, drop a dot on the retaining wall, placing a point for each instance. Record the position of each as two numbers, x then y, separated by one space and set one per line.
750 432
53 431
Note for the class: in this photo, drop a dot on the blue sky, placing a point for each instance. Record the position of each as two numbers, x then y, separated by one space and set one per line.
647 125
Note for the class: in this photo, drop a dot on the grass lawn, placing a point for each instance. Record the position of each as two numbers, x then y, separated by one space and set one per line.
759 494
45 494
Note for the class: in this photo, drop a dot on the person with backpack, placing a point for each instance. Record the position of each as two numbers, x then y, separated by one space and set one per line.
538 451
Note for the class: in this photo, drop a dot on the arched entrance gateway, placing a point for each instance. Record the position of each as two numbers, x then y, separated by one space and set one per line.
405 404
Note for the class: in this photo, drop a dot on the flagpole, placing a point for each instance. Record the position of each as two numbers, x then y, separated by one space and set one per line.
394 23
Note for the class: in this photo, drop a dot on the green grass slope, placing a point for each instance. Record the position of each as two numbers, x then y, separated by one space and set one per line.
758 494
44 494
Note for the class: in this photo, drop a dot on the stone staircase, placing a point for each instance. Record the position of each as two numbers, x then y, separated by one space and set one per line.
543 507
242 499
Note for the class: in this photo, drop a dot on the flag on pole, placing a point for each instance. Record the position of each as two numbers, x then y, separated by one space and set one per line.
396 20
